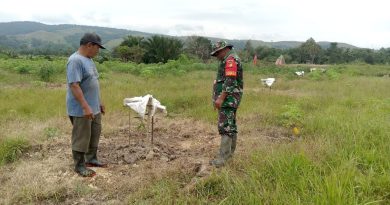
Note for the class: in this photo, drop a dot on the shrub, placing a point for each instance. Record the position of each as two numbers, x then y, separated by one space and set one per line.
23 70
332 74
51 132
292 115
316 75
11 149
46 72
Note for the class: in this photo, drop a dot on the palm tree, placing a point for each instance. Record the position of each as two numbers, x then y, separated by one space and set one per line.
161 49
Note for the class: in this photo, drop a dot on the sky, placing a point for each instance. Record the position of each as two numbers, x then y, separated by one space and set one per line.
362 23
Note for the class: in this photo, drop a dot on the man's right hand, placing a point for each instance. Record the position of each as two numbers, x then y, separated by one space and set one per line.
88 112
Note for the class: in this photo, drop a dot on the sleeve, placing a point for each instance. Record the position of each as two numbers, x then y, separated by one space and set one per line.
74 71
230 73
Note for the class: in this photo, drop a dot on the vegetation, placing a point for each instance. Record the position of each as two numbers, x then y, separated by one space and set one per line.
148 50
59 40
311 52
11 149
199 47
131 49
342 157
160 49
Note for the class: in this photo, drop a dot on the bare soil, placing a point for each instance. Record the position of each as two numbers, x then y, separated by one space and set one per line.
180 148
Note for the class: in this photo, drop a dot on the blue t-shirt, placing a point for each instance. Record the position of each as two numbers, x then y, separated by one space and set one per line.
83 70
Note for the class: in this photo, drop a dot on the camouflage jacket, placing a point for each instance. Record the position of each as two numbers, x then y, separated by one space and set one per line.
230 80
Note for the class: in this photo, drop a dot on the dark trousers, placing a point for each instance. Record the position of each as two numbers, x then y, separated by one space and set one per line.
85 132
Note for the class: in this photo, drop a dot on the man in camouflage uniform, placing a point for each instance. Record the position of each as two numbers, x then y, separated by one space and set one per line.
227 94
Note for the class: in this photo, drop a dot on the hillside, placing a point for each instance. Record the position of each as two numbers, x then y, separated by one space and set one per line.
33 35
19 34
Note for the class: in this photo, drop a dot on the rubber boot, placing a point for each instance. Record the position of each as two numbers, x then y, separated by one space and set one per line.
91 158
234 141
224 152
79 165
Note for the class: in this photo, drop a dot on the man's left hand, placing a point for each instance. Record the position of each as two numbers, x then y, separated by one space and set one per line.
220 99
103 109
218 103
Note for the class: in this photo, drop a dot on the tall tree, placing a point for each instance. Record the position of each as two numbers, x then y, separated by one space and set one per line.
248 52
133 53
267 54
130 49
311 48
199 47
161 49
249 47
131 41
334 53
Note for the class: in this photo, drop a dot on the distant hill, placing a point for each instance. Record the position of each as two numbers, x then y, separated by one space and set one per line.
25 33
33 35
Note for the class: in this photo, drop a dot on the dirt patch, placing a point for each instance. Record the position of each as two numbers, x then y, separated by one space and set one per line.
180 147
171 140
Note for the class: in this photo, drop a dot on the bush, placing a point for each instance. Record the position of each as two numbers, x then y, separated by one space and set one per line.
316 75
11 149
23 70
332 74
51 132
292 115
46 72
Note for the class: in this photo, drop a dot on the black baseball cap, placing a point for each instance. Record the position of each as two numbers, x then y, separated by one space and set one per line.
93 38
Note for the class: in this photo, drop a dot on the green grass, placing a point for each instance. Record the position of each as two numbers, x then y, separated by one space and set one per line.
11 149
343 157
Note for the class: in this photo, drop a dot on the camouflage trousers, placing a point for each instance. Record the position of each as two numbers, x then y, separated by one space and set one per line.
227 122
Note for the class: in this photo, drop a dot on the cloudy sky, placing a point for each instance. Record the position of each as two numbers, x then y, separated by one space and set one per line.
363 23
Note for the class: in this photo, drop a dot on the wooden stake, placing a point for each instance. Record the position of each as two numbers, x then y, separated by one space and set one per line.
152 128
129 125
149 107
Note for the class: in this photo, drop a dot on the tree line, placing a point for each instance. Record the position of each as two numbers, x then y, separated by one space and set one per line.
311 52
160 49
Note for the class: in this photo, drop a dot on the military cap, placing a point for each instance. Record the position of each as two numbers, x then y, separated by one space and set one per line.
219 45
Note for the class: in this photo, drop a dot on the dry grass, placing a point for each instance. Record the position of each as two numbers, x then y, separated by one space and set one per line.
46 180
45 173
341 158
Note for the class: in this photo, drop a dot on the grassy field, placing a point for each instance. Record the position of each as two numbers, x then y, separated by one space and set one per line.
341 157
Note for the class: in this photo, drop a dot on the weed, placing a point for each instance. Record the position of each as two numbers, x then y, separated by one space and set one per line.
291 116
11 149
46 72
342 159
51 132
23 70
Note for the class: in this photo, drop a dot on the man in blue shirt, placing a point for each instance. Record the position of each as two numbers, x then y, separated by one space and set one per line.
84 105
